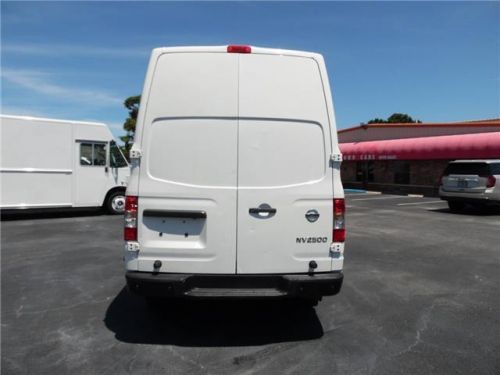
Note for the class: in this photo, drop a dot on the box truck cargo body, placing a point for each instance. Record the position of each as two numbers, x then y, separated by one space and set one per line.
48 163
235 187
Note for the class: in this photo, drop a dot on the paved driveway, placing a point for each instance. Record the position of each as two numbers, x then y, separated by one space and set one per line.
421 295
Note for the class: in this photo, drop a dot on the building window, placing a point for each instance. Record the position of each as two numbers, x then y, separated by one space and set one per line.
369 171
92 154
360 171
401 172
364 171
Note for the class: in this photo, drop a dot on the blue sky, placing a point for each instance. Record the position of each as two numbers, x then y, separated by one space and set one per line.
436 61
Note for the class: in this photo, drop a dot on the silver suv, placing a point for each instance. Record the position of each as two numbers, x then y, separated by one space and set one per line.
475 182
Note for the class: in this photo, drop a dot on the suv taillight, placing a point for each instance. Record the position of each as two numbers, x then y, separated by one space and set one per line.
338 220
490 181
130 230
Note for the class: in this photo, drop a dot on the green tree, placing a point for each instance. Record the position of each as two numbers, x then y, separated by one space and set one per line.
132 105
377 121
400 118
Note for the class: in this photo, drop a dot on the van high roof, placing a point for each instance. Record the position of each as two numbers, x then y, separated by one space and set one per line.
237 49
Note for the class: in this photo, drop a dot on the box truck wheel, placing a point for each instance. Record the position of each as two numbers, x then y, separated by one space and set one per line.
115 204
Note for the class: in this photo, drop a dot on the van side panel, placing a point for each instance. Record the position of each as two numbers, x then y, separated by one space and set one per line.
188 174
41 166
37 169
284 149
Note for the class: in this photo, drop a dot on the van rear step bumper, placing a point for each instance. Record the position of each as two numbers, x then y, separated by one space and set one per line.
234 286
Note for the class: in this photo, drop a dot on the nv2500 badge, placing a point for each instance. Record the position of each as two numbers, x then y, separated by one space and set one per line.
311 239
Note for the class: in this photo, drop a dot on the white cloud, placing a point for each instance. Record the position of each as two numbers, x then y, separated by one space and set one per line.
21 111
116 125
40 82
75 50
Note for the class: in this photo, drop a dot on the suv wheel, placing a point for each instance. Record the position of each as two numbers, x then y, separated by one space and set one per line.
456 206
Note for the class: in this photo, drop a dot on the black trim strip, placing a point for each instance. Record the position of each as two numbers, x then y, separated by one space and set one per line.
175 213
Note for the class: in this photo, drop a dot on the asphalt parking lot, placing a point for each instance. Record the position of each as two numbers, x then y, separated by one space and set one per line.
420 296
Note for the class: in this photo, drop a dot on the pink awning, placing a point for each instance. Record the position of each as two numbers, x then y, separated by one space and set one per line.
463 146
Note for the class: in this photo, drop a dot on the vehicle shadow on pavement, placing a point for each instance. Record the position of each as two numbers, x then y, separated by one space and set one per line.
210 323
470 211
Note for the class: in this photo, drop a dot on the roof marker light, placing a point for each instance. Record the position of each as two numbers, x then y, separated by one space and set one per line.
239 49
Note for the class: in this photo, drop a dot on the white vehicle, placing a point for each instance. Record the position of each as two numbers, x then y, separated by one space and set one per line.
235 187
49 163
474 182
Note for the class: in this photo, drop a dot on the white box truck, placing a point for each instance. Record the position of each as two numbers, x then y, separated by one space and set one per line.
48 163
235 186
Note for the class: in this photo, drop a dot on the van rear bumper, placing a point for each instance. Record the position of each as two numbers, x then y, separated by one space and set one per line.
234 286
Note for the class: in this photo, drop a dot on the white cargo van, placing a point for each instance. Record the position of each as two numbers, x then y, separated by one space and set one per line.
235 187
48 164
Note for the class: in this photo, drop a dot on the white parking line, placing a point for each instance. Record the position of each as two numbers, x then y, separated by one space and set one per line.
380 198
427 202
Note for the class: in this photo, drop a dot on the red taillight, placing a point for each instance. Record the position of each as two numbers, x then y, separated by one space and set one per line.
131 205
490 181
239 49
338 220
130 234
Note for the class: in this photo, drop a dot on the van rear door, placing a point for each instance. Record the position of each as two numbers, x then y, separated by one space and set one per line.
283 166
188 174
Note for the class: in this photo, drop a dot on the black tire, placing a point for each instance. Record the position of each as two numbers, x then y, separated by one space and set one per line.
115 204
480 207
456 206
